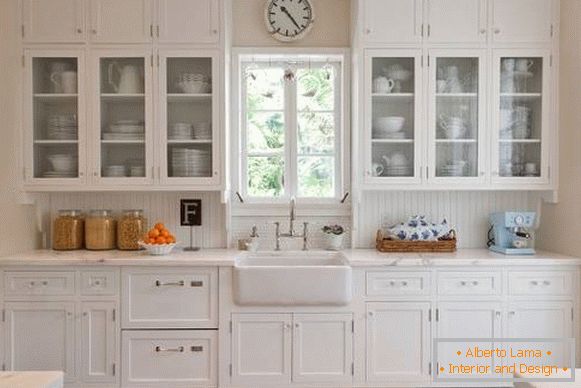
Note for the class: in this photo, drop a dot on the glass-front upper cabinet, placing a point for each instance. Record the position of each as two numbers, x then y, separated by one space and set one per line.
122 117
54 119
456 115
521 116
188 118
392 117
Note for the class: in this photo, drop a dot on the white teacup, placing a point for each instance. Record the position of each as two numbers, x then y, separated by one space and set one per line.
531 168
524 65
377 169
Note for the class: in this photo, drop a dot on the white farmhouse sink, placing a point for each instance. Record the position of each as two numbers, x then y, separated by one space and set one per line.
292 278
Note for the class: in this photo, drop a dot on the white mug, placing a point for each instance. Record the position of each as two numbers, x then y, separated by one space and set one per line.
377 169
531 168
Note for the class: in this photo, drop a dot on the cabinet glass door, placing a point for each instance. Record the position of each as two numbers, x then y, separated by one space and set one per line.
53 117
123 119
455 116
392 115
521 117
188 117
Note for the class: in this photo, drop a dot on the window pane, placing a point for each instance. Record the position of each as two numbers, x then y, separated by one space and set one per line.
265 176
265 89
316 133
265 132
316 176
316 89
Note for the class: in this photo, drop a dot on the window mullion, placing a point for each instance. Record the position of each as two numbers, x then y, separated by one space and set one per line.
291 137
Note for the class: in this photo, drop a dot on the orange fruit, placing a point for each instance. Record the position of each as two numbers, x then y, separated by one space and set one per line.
151 240
153 233
160 240
159 226
165 233
171 239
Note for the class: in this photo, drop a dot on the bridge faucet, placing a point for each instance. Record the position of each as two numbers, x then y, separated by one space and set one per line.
291 233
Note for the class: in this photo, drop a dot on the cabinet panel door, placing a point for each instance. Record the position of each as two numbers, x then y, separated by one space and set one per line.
188 21
520 21
392 21
542 320
322 348
127 21
456 21
261 349
53 21
466 320
398 346
41 336
98 342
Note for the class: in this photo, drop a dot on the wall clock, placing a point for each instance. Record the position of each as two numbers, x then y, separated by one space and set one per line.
289 20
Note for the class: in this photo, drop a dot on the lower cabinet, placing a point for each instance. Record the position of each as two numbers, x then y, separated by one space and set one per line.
41 336
170 358
398 345
278 349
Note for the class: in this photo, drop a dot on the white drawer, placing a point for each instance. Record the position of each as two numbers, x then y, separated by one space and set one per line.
96 283
173 358
469 283
170 298
540 283
24 283
397 283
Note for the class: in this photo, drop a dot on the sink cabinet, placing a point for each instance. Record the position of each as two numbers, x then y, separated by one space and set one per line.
277 349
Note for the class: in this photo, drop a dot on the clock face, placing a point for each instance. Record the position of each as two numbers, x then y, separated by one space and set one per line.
289 20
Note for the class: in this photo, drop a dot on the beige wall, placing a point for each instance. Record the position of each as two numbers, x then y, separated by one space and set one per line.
17 222
561 223
331 28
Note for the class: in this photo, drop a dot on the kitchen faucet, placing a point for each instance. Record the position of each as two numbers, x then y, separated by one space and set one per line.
292 233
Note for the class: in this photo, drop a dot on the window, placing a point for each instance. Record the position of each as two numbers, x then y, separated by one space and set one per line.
291 127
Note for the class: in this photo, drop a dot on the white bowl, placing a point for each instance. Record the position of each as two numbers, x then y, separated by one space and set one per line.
62 163
388 124
158 249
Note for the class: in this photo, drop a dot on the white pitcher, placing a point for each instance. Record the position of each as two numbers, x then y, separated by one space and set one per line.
129 79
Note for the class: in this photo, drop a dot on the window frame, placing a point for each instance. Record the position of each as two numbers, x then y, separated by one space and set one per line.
318 57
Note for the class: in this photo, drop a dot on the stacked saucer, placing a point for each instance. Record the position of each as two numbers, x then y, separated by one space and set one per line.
62 127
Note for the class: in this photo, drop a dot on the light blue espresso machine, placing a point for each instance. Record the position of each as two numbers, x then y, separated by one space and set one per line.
512 233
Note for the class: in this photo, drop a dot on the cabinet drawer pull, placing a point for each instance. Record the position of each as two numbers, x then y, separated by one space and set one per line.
179 349
534 283
546 283
475 283
404 283
181 283
197 283
197 348
462 283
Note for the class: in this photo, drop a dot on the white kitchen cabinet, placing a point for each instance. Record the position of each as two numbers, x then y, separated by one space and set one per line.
54 122
391 21
542 320
393 116
398 342
521 116
170 298
322 348
521 21
99 339
466 320
261 349
170 358
55 21
189 118
456 21
122 125
127 21
456 118
40 336
188 21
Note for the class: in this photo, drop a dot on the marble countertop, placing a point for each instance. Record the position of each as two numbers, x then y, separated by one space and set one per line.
226 258
31 379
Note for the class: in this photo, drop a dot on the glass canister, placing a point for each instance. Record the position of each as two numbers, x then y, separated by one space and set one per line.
100 230
68 230
130 229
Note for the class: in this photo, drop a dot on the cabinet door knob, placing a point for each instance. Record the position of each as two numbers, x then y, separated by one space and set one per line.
462 283
368 31
371 313
483 31
497 31
85 314
79 31
475 283
404 283
94 32
497 313
534 283
546 283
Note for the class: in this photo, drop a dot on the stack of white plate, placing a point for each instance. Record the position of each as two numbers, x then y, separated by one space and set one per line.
115 171
191 162
125 130
180 131
455 168
203 130
62 127
403 170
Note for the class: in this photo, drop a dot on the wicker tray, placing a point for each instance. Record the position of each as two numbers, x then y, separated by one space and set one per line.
387 245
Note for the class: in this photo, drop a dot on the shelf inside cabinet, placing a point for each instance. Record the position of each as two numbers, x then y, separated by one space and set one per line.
394 141
521 95
457 95
521 141
122 97
468 141
123 141
55 142
393 95
54 96
193 141
179 97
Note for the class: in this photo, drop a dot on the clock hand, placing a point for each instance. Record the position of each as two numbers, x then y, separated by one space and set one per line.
283 9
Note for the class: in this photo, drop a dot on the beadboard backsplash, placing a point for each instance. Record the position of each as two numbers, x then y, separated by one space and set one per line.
157 207
467 212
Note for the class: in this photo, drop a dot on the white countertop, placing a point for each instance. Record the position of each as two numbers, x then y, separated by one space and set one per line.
226 257
46 379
